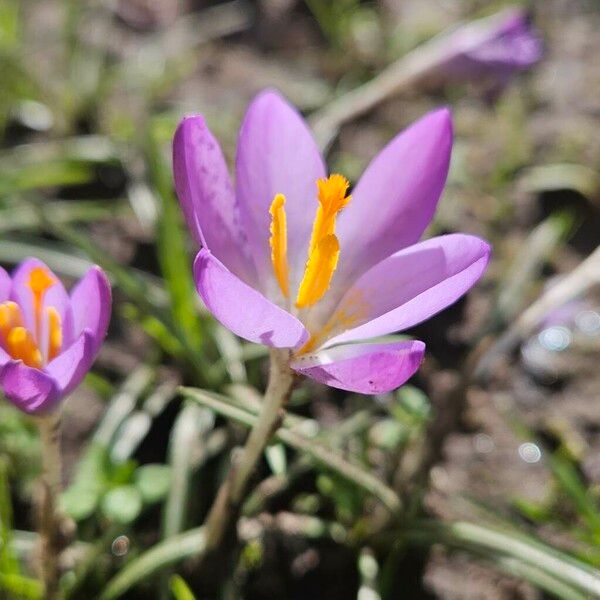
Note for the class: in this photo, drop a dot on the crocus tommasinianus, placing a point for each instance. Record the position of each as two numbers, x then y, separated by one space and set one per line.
290 260
48 338
491 49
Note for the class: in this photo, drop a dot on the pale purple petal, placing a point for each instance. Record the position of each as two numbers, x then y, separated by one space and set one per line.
91 305
411 286
242 309
363 368
206 196
396 197
29 389
70 367
5 285
277 154
55 296
4 357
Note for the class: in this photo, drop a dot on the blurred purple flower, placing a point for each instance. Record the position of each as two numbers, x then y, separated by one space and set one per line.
490 50
269 269
48 338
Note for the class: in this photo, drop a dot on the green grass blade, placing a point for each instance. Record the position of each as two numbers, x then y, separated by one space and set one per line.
539 578
45 175
180 589
21 216
8 561
569 481
175 261
192 423
163 555
479 538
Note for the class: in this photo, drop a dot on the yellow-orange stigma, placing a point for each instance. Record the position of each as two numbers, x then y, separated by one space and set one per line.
39 281
324 248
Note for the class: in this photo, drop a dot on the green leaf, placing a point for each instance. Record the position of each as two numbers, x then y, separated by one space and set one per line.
21 215
388 434
8 561
80 501
489 541
275 455
122 504
192 424
174 259
180 589
570 482
51 174
537 577
20 587
413 407
10 25
153 482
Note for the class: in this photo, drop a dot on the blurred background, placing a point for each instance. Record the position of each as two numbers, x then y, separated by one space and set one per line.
500 426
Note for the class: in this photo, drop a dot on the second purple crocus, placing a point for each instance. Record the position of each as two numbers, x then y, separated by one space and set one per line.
291 259
48 338
492 49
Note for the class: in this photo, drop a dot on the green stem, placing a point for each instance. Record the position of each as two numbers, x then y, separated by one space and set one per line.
318 452
49 520
231 492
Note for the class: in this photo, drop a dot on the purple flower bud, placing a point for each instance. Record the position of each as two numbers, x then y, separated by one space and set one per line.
489 50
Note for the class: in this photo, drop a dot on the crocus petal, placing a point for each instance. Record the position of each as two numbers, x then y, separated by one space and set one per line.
411 286
206 195
29 389
395 198
242 309
69 368
5 285
363 368
91 305
4 357
277 154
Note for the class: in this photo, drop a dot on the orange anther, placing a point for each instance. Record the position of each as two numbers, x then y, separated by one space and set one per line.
21 346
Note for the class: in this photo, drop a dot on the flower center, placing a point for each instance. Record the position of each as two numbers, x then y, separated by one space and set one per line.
324 247
17 340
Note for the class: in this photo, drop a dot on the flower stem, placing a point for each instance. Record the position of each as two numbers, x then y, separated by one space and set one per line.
48 518
231 492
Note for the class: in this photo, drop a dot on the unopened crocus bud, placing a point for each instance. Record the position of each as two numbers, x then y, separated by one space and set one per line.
489 50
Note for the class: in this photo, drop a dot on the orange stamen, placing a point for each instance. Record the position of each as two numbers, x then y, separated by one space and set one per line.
55 338
278 243
10 317
21 346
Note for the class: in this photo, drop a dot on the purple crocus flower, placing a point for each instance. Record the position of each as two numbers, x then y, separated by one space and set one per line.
490 49
48 338
290 260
